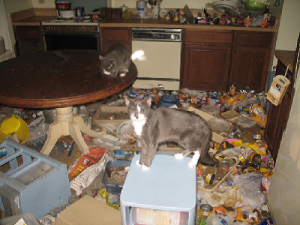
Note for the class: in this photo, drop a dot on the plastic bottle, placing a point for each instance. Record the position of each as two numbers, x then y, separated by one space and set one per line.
267 10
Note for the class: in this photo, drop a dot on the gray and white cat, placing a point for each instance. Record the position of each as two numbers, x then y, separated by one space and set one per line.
116 61
153 126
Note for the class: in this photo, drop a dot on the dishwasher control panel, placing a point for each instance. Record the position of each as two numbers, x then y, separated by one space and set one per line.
156 34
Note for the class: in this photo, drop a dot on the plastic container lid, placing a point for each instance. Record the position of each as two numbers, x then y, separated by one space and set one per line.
124 8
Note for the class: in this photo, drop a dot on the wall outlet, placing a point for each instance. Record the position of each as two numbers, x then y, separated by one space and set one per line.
41 1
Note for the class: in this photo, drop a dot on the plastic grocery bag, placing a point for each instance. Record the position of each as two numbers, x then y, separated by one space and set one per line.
249 184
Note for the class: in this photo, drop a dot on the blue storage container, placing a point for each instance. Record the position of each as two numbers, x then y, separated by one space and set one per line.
168 186
33 182
112 188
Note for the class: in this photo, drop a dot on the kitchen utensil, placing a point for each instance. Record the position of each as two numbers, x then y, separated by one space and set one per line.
63 5
227 7
79 12
67 13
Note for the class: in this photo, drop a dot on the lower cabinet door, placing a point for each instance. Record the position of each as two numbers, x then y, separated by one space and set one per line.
206 67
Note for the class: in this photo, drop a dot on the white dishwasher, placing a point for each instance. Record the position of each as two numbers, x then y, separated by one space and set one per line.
162 48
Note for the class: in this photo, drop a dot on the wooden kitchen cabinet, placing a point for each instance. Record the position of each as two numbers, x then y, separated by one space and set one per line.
278 115
29 39
206 60
251 59
115 35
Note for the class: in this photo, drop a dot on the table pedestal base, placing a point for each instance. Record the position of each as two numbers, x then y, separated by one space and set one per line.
67 123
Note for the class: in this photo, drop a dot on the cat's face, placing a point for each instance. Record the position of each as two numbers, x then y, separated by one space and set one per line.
138 110
107 65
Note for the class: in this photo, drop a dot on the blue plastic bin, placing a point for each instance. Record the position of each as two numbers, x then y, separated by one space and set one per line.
33 182
168 185
112 188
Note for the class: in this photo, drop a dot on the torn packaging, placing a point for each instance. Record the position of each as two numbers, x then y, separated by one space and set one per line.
154 126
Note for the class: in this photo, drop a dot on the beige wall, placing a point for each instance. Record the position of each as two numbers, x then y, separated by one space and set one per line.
192 4
46 4
284 195
14 6
289 27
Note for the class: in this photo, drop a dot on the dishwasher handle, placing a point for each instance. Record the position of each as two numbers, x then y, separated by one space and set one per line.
169 35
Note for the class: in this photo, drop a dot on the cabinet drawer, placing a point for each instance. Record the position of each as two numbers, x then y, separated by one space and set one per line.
196 36
115 34
25 33
261 39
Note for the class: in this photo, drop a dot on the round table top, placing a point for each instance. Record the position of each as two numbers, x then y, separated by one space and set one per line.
58 79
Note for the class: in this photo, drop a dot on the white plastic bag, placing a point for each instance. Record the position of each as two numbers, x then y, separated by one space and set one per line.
249 184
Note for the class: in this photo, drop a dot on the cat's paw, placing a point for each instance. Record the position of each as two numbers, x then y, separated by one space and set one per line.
178 156
145 167
138 162
192 164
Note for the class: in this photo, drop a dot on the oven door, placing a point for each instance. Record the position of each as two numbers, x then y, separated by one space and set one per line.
60 40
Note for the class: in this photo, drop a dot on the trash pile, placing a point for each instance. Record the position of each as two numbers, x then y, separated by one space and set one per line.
232 192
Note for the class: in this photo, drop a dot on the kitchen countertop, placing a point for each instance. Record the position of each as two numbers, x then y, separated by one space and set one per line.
286 57
31 21
33 17
162 23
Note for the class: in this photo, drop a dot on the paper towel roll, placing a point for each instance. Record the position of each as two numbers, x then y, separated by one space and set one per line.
2 46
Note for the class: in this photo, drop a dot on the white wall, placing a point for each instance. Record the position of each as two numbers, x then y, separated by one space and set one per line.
192 4
289 27
284 194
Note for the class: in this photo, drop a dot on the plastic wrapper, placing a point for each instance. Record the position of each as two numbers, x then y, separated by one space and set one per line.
258 114
85 178
86 160
250 184
246 121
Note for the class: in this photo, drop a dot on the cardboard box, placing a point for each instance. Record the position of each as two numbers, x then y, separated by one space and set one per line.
89 211
113 110
215 137
277 89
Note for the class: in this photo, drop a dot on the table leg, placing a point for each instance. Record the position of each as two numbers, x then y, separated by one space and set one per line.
68 124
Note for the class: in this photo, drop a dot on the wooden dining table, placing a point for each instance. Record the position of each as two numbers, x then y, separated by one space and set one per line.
60 80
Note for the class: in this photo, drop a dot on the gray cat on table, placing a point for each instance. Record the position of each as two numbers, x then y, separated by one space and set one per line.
153 126
116 61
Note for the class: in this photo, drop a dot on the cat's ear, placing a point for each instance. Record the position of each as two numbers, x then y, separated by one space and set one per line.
127 101
148 100
101 57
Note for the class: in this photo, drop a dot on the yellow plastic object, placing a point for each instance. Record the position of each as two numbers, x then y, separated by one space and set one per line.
14 124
